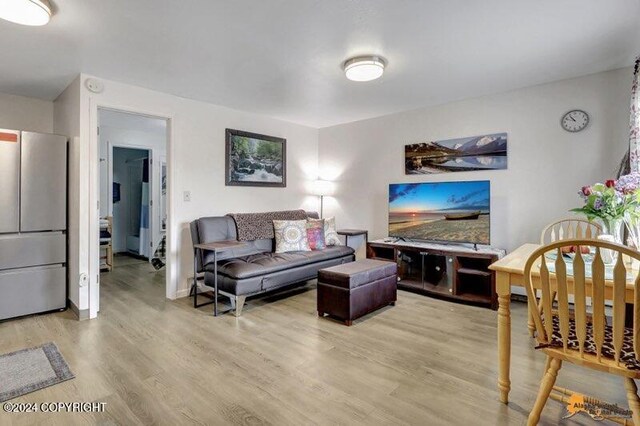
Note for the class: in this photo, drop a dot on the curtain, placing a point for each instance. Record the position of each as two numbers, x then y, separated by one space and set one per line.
145 232
634 121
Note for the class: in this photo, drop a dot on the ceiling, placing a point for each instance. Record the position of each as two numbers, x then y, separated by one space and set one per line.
283 58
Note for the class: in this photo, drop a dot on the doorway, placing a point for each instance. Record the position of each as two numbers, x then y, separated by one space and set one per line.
132 203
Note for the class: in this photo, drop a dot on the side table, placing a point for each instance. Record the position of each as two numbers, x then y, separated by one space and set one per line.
215 247
353 233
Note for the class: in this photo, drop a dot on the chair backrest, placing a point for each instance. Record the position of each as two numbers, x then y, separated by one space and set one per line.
565 229
588 276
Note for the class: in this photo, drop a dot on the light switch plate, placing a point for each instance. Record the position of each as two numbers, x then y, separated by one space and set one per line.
187 196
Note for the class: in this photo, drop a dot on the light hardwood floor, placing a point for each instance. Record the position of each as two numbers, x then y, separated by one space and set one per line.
153 361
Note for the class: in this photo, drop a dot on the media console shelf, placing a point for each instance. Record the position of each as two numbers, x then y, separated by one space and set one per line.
454 272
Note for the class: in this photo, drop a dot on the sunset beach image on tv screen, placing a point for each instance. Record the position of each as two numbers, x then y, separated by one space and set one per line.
440 211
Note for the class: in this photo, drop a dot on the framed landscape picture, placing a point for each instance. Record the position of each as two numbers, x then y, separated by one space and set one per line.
486 152
255 160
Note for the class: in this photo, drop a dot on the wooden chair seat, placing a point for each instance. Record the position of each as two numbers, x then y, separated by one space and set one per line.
604 365
627 355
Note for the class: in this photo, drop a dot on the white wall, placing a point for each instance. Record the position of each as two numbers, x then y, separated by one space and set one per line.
196 164
21 113
67 114
546 164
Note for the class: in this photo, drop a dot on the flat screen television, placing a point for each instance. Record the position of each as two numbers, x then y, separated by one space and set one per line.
441 211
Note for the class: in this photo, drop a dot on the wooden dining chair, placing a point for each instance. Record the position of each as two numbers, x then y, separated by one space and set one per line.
564 229
569 228
567 333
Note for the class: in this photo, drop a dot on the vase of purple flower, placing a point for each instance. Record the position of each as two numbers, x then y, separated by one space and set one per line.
615 228
604 202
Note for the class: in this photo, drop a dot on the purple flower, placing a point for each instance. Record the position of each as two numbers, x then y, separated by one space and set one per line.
628 183
598 204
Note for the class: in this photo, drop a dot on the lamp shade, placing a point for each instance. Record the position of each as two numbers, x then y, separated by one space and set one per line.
322 187
26 12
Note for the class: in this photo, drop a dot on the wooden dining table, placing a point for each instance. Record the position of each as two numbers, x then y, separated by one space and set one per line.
510 272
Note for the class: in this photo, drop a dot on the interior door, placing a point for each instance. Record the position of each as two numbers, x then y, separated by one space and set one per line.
9 180
43 194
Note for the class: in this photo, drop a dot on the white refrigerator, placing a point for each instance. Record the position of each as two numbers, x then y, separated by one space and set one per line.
33 223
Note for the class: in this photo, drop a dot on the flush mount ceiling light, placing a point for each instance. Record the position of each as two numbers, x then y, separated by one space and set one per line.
364 68
26 12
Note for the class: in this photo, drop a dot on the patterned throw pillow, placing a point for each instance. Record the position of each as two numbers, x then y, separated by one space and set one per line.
291 235
330 233
315 234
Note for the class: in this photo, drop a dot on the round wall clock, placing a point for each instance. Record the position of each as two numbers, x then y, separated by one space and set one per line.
575 120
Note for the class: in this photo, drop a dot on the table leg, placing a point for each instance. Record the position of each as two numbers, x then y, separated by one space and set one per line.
215 283
194 287
503 287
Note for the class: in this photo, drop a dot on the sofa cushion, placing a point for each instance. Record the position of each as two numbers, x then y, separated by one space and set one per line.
291 235
266 263
315 234
258 226
262 283
216 228
221 228
330 233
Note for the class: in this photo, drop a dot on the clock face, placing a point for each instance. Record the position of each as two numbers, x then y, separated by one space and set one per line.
575 120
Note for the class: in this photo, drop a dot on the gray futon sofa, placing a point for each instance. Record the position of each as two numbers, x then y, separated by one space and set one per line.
255 268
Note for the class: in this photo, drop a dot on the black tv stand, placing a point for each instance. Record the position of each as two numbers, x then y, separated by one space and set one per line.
447 271
396 239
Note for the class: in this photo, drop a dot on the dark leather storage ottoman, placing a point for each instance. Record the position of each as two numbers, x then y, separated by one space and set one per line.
354 289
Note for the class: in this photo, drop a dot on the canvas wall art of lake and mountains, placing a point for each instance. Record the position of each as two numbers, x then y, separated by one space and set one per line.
487 152
441 211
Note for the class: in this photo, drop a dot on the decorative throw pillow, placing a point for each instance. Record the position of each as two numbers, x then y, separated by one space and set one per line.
291 235
315 234
330 234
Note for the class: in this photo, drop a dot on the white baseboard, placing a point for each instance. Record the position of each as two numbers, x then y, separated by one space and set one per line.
182 293
81 315
518 290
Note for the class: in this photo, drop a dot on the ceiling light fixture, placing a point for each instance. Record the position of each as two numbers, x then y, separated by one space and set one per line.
364 68
26 12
